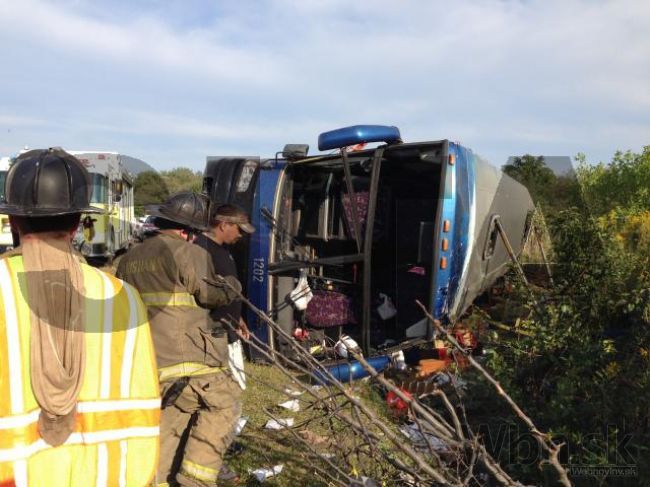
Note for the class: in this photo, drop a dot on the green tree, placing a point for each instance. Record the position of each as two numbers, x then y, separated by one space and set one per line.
583 368
183 179
532 172
580 362
625 182
553 192
149 188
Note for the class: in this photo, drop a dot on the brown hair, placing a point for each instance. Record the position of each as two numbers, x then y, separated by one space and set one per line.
58 223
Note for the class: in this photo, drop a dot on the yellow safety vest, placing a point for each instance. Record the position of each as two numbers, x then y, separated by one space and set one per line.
115 439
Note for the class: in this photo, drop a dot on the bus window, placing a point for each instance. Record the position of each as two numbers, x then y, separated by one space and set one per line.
116 197
99 189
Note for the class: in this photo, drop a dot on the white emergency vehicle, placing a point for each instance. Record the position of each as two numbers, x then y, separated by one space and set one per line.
102 235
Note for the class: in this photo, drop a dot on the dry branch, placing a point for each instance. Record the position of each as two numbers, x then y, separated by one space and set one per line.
336 405
542 438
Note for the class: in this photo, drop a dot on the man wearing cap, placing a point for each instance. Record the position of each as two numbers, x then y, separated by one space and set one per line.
170 272
80 401
228 224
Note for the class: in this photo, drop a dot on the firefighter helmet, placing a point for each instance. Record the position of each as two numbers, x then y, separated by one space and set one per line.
47 182
186 208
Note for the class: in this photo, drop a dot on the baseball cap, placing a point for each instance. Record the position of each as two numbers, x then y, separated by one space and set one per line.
241 221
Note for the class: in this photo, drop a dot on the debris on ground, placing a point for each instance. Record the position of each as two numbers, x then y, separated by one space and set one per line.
262 474
279 424
292 405
351 419
398 407
292 393
365 482
431 366
241 422
420 439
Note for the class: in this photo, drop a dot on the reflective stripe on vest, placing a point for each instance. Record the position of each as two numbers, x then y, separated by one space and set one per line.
186 369
117 423
95 422
168 299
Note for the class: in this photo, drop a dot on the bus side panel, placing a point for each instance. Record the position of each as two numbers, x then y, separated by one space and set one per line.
465 215
445 228
496 195
258 255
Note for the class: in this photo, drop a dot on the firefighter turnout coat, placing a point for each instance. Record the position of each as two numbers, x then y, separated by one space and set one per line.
168 272
115 439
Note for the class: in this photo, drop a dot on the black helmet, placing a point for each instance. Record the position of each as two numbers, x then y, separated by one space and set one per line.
47 182
187 208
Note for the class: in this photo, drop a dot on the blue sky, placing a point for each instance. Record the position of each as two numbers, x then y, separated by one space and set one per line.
171 81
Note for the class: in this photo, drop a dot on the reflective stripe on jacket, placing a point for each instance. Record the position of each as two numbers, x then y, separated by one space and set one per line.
186 369
115 437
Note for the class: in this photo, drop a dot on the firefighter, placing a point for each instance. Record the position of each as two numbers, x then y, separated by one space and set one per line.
196 385
80 400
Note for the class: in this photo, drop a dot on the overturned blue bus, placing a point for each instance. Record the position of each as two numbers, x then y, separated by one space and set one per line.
404 220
